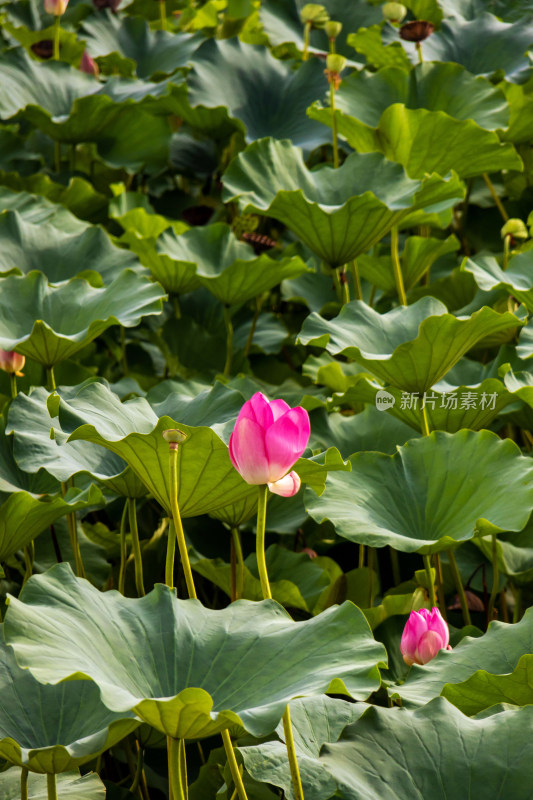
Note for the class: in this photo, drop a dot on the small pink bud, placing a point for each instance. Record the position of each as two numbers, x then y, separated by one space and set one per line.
56 7
268 439
89 65
310 552
425 633
11 362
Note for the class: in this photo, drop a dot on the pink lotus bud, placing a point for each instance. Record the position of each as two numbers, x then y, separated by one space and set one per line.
11 362
89 65
56 7
268 438
425 633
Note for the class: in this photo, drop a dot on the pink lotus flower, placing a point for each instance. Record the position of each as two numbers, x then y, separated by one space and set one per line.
11 362
56 7
425 633
268 438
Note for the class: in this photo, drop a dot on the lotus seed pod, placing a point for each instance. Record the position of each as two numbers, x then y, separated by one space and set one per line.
174 436
335 63
315 14
333 28
515 228
394 12
56 7
416 31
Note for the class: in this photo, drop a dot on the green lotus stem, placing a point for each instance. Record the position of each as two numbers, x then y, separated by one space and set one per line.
440 589
495 578
395 564
138 771
136 546
425 423
459 586
72 526
498 203
333 124
345 289
178 527
260 544
356 280
123 350
177 775
291 754
307 32
177 307
372 297
431 585
51 786
506 250
123 550
237 547
234 767
56 37
419 51
517 611
13 384
370 564
396 266
361 561
29 555
171 552
57 156
24 783
163 14
50 379
229 341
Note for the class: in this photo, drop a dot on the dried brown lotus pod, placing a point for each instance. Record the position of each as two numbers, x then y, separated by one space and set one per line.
416 31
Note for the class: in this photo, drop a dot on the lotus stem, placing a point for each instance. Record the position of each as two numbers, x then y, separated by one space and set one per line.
370 564
440 589
431 584
459 586
57 156
123 550
50 379
72 526
24 783
333 123
136 546
123 350
135 786
13 384
419 51
396 266
260 544
395 564
29 555
425 423
307 33
345 289
178 528
229 341
237 549
56 37
51 786
356 280
163 14
177 769
361 559
506 250
291 754
495 578
234 767
497 201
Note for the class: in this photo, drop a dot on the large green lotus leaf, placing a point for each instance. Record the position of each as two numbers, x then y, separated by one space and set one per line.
34 446
434 493
514 553
369 430
426 141
79 196
70 786
369 43
520 130
435 751
245 87
282 23
516 279
54 728
498 651
28 246
315 722
409 347
187 670
38 210
213 257
145 52
337 213
435 86
51 323
483 689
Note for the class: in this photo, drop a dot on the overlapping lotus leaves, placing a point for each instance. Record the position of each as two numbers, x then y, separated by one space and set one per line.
70 786
426 141
516 279
340 213
187 670
520 128
207 480
433 494
499 651
315 721
54 728
51 323
27 246
483 689
38 210
410 347
139 49
235 85
213 257
368 42
454 756
78 196
368 430
364 96
514 554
